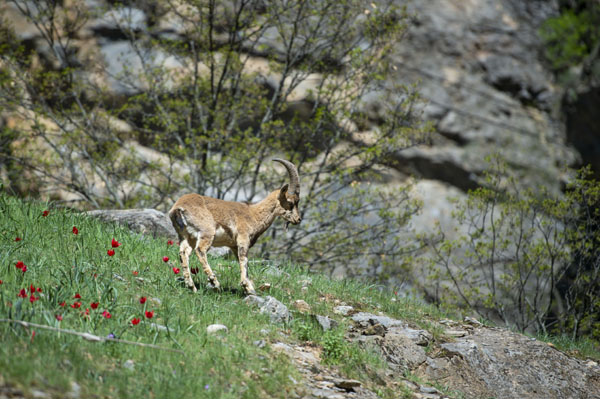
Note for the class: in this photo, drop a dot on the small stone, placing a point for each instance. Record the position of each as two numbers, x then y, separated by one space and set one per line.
591 363
264 331
473 321
216 328
156 301
264 287
456 333
343 310
347 384
159 327
261 343
301 306
36 394
75 391
326 323
129 364
304 289
425 389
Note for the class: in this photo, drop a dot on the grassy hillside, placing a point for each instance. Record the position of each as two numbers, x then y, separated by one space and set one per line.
70 281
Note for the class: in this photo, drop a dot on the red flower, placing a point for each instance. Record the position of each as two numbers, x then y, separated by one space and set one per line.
106 315
77 296
110 252
165 258
22 293
17 239
176 270
135 272
39 289
31 288
115 243
143 300
75 230
63 303
87 312
33 298
194 270
0 282
58 317
170 242
20 265
94 305
32 335
149 314
45 213
135 321
76 305
24 269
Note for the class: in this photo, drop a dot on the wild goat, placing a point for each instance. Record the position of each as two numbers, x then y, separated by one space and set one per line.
202 222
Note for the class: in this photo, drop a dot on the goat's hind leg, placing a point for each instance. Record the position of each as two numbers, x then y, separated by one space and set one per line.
201 249
185 250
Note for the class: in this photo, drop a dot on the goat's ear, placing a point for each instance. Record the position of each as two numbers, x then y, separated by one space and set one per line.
283 189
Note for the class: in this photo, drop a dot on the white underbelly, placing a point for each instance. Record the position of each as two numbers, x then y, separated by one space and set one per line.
222 239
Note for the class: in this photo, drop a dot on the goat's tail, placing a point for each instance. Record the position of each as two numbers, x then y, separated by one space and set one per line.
178 218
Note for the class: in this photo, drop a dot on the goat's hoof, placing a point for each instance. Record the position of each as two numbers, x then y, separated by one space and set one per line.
213 286
249 289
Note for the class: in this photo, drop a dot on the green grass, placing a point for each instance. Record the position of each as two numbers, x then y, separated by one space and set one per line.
64 264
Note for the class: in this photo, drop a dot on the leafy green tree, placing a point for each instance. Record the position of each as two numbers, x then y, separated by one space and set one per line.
523 258
237 82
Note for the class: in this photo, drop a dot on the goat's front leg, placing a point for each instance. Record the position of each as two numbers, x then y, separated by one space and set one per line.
242 255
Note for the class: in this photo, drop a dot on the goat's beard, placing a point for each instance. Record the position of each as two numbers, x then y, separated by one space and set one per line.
286 226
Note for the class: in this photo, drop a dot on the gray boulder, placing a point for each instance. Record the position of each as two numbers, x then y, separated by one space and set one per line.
145 221
277 311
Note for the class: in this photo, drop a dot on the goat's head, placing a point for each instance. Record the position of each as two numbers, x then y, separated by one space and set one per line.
289 195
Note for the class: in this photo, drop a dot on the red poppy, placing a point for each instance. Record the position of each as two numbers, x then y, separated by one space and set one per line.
106 315
110 252
22 293
63 303
87 312
165 259
135 321
135 272
149 314
1 282
33 298
75 230
194 270
115 243
45 213
77 296
176 270
58 317
143 300
39 289
76 305
95 275
20 265
17 239
170 242
31 288
94 305
24 269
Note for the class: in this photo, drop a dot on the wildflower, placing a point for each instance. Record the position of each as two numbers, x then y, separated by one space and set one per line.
207 387
165 259
77 296
58 317
149 314
135 272
110 252
94 305
32 335
39 289
106 314
45 213
1 282
62 304
20 265
176 270
194 270
111 336
31 288
143 300
33 298
170 242
24 269
115 244
75 230
87 312
135 321
17 239
76 305
22 293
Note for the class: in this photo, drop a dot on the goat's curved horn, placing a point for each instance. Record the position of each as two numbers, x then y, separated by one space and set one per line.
293 172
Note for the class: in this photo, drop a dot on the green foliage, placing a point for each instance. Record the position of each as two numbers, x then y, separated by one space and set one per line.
210 115
524 258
